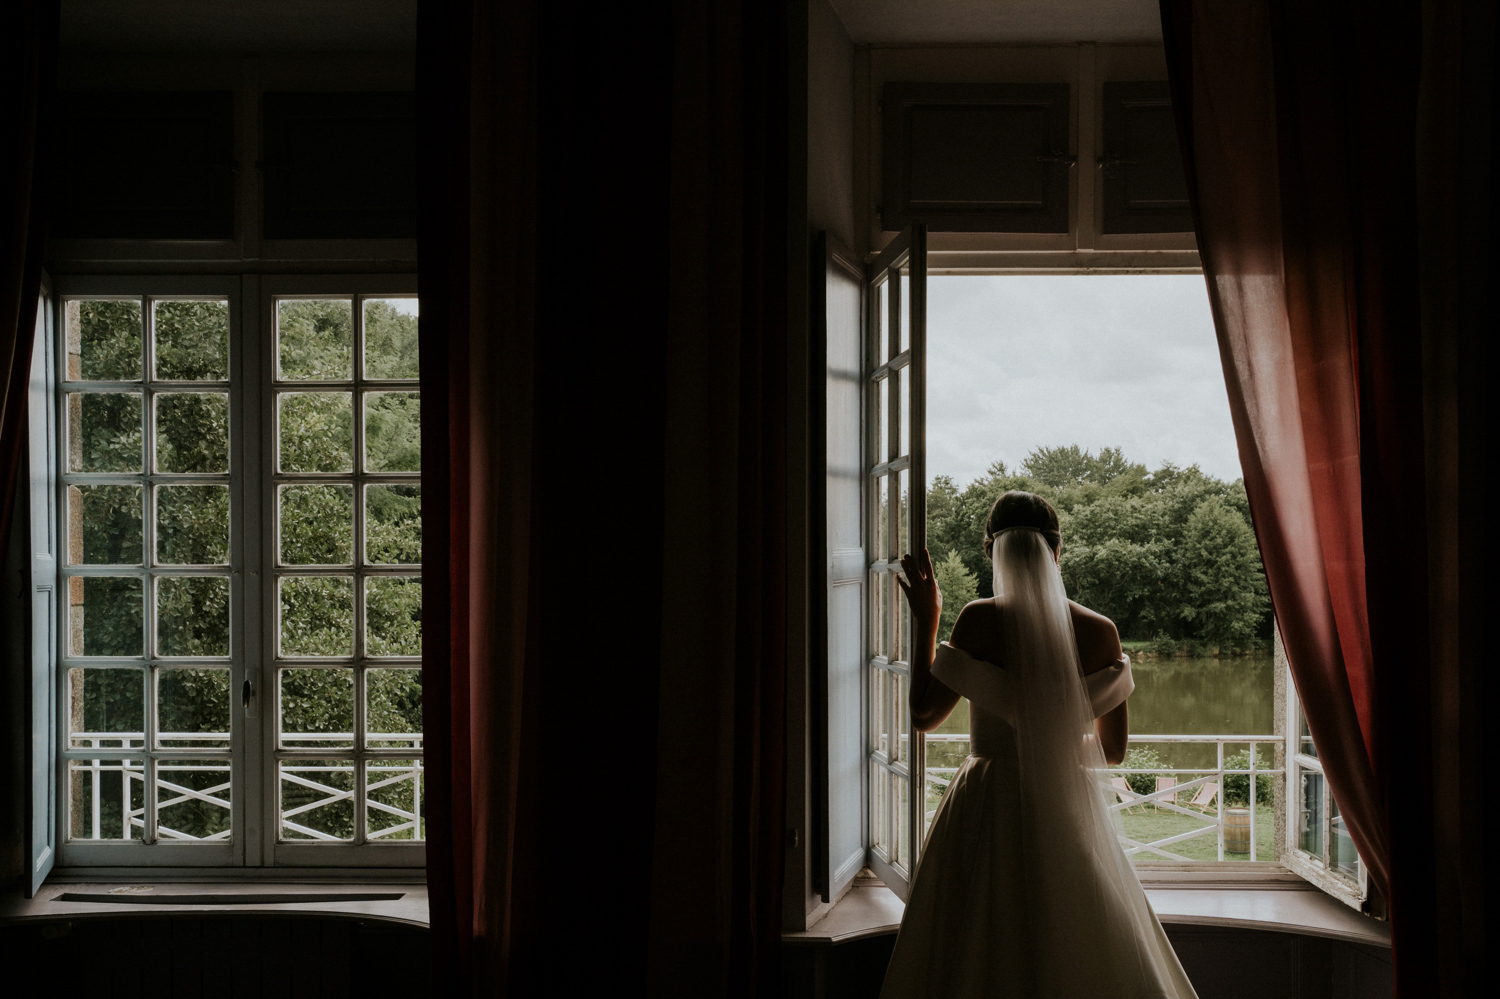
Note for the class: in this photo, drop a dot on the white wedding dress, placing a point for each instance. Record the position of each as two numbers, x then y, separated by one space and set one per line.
1022 888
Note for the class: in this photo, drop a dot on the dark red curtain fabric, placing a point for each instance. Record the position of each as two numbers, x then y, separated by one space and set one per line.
28 72
603 267
1298 125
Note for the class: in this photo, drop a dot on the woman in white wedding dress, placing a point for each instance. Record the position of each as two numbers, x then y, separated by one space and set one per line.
1022 888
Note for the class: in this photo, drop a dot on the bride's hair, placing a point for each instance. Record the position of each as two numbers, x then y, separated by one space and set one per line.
1022 509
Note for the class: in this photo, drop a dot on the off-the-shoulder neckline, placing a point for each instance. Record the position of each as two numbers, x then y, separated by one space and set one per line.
1117 664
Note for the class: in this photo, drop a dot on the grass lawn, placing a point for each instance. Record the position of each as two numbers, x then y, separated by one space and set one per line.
1145 824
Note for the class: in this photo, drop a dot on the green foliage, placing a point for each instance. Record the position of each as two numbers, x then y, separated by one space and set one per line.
315 339
110 616
1164 645
1237 786
958 587
192 341
393 616
317 432
393 524
1168 553
1141 758
317 616
192 525
104 431
317 525
106 342
110 522
192 432
390 341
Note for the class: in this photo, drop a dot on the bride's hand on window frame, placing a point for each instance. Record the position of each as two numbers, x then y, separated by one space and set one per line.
921 589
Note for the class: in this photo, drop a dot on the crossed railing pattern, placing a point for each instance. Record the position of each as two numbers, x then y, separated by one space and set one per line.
1165 798
104 767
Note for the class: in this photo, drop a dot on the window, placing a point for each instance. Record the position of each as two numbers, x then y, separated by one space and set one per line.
239 486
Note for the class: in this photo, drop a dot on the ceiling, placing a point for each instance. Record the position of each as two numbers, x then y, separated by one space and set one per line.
1009 22
239 25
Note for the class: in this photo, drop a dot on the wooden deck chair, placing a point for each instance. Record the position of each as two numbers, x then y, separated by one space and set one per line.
1162 784
1204 799
1124 793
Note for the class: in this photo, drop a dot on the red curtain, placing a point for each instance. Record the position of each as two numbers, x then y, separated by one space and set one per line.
28 72
1299 127
603 271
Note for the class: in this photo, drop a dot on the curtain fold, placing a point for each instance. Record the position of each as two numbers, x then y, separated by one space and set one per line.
603 260
1298 124
28 73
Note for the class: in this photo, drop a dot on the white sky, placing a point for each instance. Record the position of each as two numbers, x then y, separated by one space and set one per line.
1126 361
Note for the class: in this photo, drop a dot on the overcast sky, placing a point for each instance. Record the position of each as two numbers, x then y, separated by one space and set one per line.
1126 361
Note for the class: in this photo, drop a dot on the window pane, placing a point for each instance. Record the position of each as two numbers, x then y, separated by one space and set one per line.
317 799
878 582
104 525
882 323
903 442
106 799
393 525
192 432
104 340
192 708
883 426
393 800
106 616
1310 826
393 708
317 525
192 616
317 708
104 432
192 525
317 616
316 432
390 338
315 340
107 708
393 616
899 820
881 543
1345 857
192 341
1306 746
904 322
393 432
192 799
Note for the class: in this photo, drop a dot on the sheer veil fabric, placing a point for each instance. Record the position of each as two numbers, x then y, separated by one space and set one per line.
1023 888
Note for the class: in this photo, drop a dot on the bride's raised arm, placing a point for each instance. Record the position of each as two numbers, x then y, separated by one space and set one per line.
931 700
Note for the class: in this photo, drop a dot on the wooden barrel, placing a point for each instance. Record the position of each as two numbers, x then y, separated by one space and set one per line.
1236 830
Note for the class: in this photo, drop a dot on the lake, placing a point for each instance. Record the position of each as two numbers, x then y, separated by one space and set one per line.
1189 696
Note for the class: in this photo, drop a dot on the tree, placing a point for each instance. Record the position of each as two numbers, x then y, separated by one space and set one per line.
958 587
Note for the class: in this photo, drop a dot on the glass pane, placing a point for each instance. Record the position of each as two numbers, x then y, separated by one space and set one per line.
106 616
317 616
393 616
878 837
192 799
882 540
315 340
393 708
192 341
1307 746
317 525
192 708
390 338
104 432
1310 825
106 708
882 322
317 799
192 616
104 525
393 525
879 723
1345 857
106 799
104 340
192 525
192 432
899 818
904 324
393 432
901 512
393 800
316 432
884 425
317 708
904 443
878 583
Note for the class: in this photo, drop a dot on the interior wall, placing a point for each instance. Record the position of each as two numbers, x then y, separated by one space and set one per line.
830 124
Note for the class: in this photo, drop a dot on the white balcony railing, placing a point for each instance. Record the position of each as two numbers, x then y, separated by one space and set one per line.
1204 787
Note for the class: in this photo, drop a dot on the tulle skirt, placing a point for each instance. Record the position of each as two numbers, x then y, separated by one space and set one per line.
972 927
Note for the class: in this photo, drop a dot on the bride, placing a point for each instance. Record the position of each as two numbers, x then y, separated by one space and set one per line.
1023 889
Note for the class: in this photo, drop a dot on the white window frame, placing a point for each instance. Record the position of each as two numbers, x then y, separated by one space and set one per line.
254 847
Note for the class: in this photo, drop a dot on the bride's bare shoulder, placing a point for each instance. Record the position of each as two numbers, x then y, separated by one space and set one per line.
1098 639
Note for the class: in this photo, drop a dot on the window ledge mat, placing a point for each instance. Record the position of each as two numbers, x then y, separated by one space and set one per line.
875 911
401 903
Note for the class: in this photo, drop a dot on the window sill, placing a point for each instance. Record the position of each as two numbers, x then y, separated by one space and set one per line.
1277 906
410 909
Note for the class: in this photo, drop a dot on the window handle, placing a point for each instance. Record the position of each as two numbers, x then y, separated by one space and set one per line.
247 696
